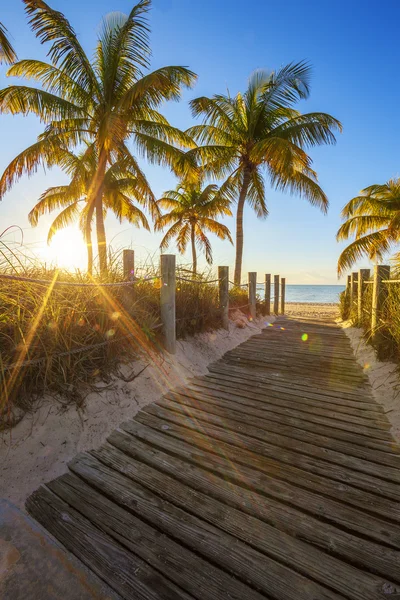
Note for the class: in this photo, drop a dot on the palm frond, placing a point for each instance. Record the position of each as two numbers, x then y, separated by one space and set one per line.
7 52
65 52
374 246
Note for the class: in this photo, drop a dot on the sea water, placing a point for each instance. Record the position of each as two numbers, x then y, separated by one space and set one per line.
321 294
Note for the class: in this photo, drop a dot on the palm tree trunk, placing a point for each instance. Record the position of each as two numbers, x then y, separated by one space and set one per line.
239 227
97 195
194 255
101 234
88 240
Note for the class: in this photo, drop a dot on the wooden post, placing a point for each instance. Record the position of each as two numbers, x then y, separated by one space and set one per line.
276 294
283 290
348 282
128 257
353 288
267 294
167 297
363 276
379 294
252 294
223 294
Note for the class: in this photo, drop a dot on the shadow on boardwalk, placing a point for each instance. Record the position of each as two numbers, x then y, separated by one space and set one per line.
275 476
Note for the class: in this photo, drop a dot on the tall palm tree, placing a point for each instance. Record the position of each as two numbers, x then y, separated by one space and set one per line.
373 218
258 131
193 211
120 195
103 102
7 52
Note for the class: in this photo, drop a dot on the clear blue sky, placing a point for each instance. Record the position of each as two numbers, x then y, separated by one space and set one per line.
354 49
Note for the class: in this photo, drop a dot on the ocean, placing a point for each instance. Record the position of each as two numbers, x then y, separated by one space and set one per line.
322 294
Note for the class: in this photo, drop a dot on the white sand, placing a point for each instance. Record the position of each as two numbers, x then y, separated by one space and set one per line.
312 310
383 376
40 446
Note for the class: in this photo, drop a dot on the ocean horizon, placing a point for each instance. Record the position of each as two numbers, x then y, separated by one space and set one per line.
321 294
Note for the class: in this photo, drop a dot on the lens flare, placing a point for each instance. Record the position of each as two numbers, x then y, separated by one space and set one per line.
304 337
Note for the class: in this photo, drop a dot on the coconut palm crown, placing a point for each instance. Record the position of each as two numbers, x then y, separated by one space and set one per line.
193 210
7 52
247 135
373 218
102 102
120 195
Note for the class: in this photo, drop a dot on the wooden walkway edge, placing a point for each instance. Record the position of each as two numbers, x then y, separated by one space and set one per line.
274 476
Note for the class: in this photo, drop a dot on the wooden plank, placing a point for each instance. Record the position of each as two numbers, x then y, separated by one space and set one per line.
289 427
358 489
349 469
370 432
296 384
278 391
332 511
258 570
362 552
344 413
189 571
125 573
302 557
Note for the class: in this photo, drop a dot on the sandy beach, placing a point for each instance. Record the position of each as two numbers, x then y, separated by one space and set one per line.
312 310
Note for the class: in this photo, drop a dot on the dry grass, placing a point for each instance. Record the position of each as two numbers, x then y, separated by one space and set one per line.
43 324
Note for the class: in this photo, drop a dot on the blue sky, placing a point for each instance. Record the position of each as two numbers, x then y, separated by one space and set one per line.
353 47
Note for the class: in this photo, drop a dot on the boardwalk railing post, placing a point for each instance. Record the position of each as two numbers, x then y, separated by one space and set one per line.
167 297
348 283
379 294
283 292
353 289
276 294
223 295
267 294
252 294
363 276
128 257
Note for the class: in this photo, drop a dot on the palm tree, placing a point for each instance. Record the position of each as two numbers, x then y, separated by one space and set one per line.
373 218
7 52
259 131
103 103
120 193
193 211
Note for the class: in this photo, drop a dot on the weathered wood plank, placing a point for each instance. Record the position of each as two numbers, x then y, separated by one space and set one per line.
350 415
258 570
333 511
372 432
289 427
359 551
196 576
309 561
323 478
248 430
124 572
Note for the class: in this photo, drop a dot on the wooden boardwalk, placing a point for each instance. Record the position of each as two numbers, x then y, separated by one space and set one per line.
275 476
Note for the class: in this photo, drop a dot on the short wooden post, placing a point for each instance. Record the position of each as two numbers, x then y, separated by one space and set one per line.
223 295
379 294
276 294
363 276
353 288
128 257
267 294
167 297
283 292
348 282
252 294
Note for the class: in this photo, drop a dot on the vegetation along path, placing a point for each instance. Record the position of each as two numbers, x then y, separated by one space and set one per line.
274 476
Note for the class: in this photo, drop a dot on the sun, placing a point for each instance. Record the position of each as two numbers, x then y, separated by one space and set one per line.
67 250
